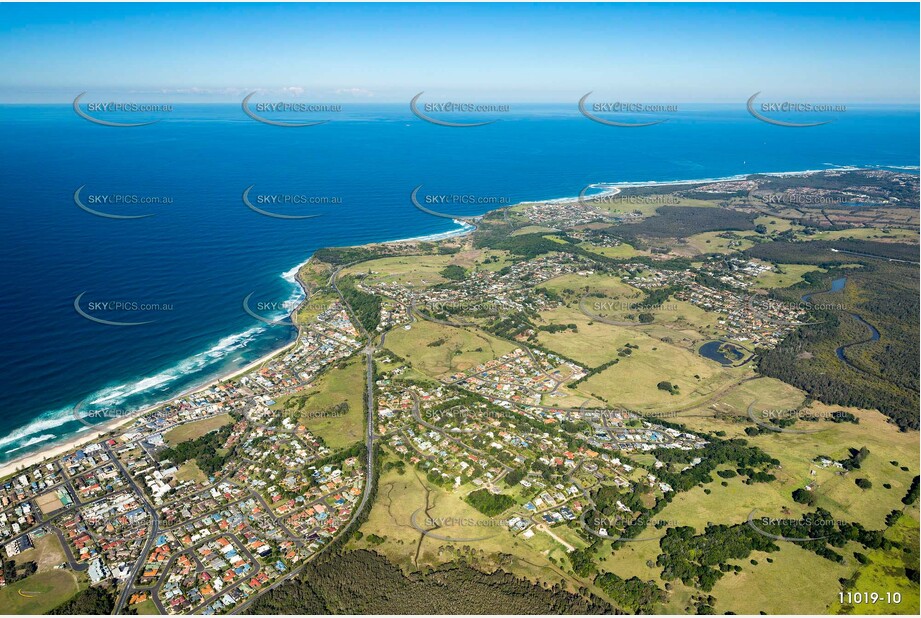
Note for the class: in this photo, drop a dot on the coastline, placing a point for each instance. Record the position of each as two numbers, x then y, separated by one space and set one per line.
30 458
79 439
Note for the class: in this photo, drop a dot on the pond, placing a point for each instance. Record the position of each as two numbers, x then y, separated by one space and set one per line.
722 352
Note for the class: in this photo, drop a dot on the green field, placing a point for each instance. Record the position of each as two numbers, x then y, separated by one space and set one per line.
870 233
621 251
797 581
885 573
417 270
314 306
711 242
436 349
776 224
146 608
196 429
791 275
338 385
633 381
533 229
189 471
39 593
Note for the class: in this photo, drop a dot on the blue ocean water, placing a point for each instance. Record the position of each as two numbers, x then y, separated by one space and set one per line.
204 251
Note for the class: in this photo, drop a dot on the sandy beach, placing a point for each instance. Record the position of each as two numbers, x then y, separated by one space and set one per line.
30 459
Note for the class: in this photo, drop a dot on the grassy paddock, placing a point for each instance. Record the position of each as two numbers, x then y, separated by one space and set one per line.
39 593
436 349
340 384
196 429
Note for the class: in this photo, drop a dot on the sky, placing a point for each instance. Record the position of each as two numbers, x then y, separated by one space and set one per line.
721 52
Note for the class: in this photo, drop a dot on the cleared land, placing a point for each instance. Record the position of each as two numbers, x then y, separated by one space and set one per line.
146 608
882 573
39 593
422 270
196 429
715 242
343 384
389 531
790 274
189 471
46 553
621 251
437 349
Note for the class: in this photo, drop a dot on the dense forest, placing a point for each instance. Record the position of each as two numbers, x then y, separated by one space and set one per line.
819 252
633 593
203 450
489 503
363 582
683 221
93 601
367 307
880 374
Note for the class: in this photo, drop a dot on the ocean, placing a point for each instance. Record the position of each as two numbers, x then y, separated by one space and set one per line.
186 270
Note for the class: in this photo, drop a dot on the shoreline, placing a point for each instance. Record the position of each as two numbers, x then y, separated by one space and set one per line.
28 459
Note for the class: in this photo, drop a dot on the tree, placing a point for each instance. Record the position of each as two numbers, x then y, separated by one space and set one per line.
803 496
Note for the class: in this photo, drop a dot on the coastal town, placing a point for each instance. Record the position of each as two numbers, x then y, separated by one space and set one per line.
190 530
500 380
168 534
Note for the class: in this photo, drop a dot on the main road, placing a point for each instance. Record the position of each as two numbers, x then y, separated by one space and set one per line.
369 350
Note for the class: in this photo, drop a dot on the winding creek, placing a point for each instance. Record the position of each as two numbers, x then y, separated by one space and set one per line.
714 350
837 286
